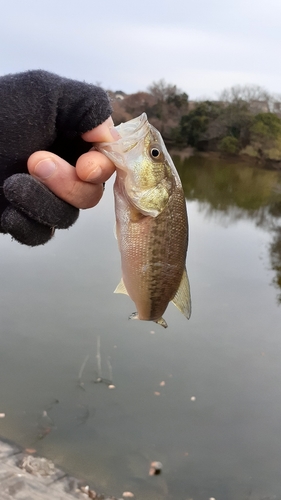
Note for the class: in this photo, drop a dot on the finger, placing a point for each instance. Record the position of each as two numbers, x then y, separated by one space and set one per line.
94 167
62 179
103 133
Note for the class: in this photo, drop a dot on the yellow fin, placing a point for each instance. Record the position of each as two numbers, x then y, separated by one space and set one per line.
161 322
151 201
182 298
121 288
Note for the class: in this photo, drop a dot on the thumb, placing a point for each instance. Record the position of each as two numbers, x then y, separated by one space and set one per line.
62 179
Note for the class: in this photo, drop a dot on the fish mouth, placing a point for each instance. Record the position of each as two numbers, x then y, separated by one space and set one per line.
130 133
132 127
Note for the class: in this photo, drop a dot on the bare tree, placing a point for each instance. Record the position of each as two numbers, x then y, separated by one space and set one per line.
162 90
258 98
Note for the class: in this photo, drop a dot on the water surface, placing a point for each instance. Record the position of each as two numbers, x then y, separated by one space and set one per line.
203 397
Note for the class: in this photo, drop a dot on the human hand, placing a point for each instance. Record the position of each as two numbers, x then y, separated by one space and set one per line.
30 211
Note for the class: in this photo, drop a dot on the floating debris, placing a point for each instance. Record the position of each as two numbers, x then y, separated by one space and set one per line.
155 468
163 383
128 494
2 415
111 386
45 423
152 332
193 398
84 489
157 393
103 381
90 493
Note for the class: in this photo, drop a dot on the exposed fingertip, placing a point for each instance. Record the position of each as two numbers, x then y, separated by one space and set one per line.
94 175
115 135
102 133
94 167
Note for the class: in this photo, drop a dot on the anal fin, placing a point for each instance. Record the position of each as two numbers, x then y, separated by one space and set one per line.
182 298
121 288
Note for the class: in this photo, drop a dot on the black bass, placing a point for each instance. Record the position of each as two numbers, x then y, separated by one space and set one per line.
151 221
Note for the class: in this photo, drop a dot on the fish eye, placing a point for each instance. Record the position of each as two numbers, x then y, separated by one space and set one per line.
155 152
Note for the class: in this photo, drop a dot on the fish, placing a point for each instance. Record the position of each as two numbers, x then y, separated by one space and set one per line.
151 221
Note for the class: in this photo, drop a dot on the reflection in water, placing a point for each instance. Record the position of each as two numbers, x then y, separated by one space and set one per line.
230 192
202 397
275 254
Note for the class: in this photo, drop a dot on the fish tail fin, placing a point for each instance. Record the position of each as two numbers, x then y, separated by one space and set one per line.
159 321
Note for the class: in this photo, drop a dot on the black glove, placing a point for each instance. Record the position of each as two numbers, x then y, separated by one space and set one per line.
41 111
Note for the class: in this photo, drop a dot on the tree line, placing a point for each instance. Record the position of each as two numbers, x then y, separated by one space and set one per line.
245 120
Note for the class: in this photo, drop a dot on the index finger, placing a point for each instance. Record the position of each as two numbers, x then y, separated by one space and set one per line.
102 133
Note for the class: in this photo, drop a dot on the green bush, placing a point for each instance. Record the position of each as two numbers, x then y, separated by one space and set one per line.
229 144
265 136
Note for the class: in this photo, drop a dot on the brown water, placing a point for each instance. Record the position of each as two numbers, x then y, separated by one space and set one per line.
216 423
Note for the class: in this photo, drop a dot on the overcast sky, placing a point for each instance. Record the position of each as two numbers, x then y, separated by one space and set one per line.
202 46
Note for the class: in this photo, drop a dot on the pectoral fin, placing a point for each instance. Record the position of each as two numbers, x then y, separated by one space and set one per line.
151 201
121 288
182 298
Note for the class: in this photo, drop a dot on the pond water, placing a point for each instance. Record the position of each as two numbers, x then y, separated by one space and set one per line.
203 396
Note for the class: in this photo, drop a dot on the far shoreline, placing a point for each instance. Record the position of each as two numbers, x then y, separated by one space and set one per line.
188 152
